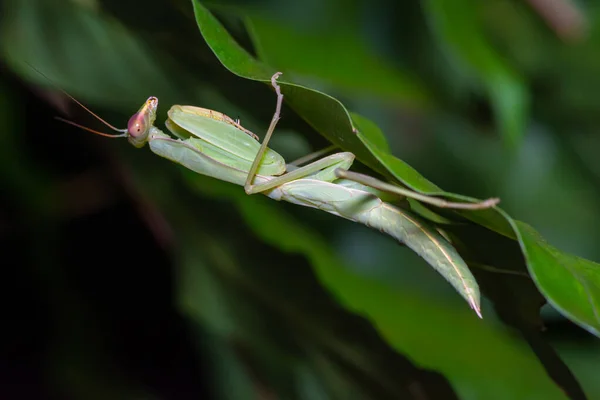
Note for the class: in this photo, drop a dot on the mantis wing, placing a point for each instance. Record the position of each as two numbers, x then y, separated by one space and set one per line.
222 139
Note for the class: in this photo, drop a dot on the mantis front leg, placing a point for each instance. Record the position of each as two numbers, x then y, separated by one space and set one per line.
326 165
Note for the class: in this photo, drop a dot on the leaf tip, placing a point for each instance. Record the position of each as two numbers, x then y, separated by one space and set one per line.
476 308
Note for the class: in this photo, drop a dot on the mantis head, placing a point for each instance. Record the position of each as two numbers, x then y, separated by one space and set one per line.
138 127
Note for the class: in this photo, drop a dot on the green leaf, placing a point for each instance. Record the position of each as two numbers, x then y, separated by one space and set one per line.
572 285
502 275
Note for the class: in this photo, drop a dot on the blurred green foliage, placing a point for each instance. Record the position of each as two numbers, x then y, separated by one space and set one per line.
483 98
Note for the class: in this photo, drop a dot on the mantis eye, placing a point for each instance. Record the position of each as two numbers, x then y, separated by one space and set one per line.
137 125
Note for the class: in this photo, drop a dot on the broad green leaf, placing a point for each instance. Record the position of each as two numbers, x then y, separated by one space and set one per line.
572 286
499 269
329 117
460 31
376 137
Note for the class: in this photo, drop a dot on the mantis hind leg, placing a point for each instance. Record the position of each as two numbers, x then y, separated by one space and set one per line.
400 191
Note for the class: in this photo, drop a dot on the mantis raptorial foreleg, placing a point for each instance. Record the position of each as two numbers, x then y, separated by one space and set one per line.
326 165
336 166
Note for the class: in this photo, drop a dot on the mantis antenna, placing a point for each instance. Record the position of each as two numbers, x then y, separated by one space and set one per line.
108 135
123 132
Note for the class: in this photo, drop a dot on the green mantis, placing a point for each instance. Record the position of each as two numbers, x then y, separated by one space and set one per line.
210 143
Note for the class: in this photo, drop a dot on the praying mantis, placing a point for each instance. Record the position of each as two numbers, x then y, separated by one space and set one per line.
212 144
